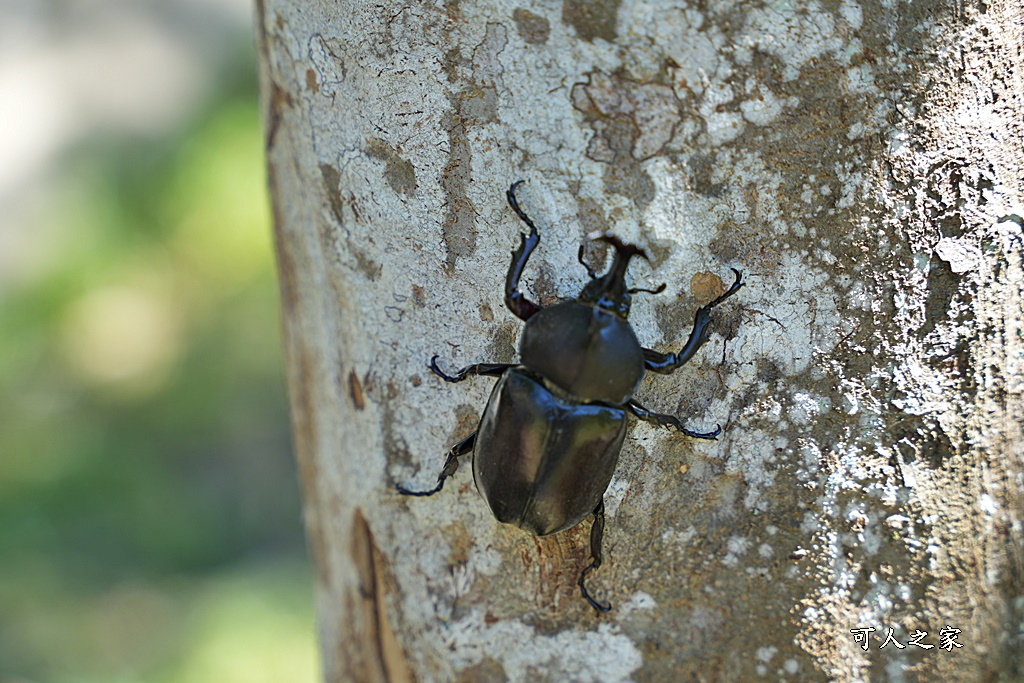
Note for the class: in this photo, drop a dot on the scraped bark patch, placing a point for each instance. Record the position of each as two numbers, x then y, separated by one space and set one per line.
398 172
592 18
381 658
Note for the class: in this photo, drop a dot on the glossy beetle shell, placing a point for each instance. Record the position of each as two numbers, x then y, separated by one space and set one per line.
542 460
584 350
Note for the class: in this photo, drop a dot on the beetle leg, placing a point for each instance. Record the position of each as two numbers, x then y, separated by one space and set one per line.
514 299
483 369
596 535
665 363
669 421
451 464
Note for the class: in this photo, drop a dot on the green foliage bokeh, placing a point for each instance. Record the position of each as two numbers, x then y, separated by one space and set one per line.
149 516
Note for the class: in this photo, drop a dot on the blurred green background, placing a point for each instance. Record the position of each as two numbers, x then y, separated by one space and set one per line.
150 523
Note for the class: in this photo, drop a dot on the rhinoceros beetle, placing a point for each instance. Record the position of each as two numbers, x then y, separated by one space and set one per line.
549 439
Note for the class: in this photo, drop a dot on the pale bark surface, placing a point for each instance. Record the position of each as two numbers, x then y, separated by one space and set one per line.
861 162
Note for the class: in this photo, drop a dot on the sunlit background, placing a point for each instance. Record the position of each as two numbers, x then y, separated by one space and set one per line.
149 516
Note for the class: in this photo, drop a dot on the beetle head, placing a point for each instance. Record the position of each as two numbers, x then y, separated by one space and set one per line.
609 291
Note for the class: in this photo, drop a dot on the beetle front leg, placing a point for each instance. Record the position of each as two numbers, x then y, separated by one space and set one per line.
665 363
482 369
451 465
596 536
669 421
514 299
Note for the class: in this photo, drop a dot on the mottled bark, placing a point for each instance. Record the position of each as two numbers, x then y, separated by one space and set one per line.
860 161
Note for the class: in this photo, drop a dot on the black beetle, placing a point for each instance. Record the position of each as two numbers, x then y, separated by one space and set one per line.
549 439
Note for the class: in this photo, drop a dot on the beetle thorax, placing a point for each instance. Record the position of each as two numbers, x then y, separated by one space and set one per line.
584 350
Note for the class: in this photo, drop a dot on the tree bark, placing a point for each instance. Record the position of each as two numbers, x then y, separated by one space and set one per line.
860 162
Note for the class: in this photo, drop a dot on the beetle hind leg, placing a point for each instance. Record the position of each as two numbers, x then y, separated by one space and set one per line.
596 536
670 421
451 465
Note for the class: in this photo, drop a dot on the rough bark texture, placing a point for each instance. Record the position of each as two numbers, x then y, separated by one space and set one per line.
860 161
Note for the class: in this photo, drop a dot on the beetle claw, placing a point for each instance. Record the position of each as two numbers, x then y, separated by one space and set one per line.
409 492
599 606
451 465
710 436
737 283
440 373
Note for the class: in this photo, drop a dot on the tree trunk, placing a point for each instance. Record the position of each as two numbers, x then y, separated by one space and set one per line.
861 163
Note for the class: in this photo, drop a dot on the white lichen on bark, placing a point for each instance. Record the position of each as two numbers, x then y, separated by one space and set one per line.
861 162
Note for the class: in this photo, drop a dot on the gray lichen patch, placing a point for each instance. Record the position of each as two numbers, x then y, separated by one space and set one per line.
650 106
623 175
344 210
475 104
502 347
592 18
632 121
706 179
533 28
398 172
460 214
712 563
943 286
591 216
478 105
330 178
486 66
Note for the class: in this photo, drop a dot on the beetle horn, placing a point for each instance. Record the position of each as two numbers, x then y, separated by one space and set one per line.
609 291
624 249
